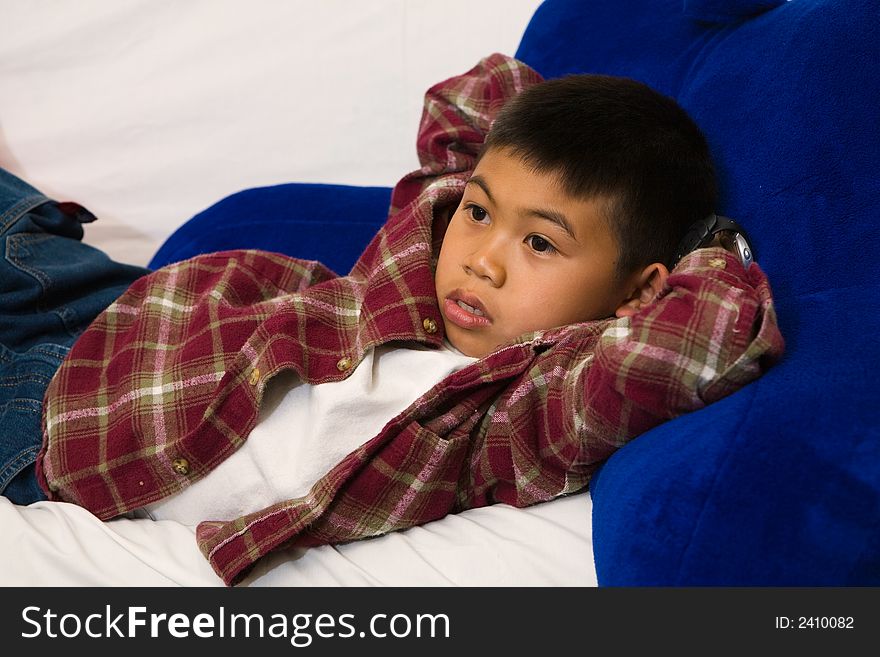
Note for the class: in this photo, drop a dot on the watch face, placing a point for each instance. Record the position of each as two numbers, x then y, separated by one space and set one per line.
725 230
744 250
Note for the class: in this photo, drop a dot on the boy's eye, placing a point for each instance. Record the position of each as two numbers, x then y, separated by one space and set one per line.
540 244
477 213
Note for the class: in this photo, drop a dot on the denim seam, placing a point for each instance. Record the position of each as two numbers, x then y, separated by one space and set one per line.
19 462
23 206
56 354
19 405
21 242
14 381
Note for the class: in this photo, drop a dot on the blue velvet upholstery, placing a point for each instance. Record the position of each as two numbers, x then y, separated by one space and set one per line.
778 484
328 223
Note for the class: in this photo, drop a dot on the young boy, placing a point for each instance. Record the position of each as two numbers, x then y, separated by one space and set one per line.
520 316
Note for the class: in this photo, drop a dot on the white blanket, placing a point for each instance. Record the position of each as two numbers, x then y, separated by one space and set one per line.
59 544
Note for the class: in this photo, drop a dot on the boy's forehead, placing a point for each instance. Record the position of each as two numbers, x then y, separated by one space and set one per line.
506 177
507 165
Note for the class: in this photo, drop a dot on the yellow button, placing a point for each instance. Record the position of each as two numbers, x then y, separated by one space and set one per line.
181 466
344 364
255 376
718 263
430 325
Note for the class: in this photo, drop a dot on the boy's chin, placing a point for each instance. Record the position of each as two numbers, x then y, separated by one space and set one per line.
469 346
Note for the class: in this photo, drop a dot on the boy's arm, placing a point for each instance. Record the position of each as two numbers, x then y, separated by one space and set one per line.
456 118
711 331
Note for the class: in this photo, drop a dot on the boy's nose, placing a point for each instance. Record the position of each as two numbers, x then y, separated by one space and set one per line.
487 263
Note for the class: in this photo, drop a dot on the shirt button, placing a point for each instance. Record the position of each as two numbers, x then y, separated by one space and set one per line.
255 376
344 364
181 466
430 325
718 263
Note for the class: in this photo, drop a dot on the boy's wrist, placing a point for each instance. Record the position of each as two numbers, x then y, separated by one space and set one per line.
732 241
718 231
724 239
711 257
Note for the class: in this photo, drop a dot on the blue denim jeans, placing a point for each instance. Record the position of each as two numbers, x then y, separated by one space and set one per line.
51 288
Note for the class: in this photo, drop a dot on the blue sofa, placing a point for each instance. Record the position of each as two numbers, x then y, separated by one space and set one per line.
778 484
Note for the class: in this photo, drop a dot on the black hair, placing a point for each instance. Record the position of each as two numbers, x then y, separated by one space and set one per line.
618 140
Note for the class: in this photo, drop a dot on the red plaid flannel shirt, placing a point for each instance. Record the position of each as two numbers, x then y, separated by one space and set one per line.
167 382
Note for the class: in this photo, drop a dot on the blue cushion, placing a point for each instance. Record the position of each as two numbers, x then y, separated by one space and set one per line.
778 484
727 11
328 223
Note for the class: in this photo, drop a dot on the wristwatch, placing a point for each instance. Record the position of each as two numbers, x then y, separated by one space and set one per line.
702 233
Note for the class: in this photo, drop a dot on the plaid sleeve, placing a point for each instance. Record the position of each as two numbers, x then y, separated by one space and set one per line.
711 331
457 115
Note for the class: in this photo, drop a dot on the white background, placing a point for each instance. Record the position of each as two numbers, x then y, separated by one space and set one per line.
148 111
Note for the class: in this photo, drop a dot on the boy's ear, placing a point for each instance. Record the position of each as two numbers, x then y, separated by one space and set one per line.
644 287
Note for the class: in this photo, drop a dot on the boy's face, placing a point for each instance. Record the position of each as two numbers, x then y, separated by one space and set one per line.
521 255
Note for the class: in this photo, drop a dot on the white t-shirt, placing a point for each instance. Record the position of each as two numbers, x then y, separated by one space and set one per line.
304 430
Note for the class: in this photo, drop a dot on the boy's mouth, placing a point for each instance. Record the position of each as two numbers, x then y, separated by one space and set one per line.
465 310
